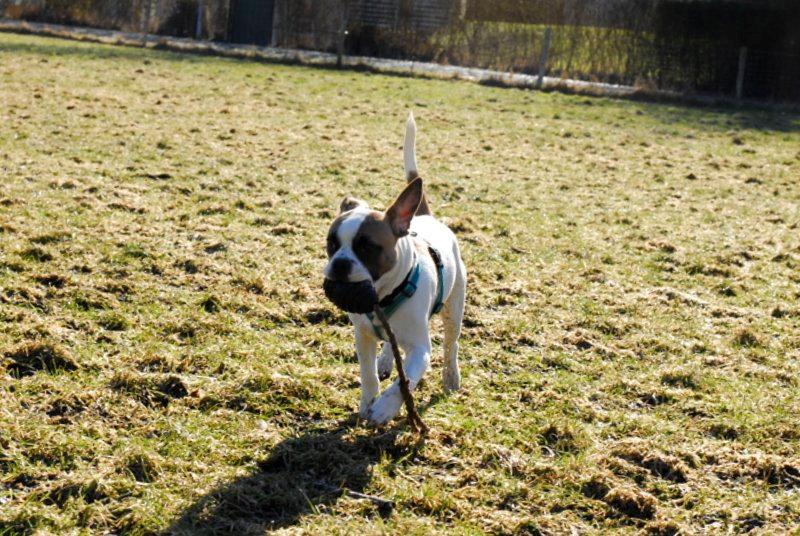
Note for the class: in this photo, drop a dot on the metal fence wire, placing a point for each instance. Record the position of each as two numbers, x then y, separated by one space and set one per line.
653 45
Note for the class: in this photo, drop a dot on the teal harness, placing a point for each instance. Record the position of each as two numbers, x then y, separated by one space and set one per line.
391 303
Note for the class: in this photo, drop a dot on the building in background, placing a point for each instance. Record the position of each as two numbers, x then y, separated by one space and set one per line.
422 15
718 34
320 24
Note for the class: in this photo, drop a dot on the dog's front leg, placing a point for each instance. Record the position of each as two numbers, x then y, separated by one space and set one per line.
388 405
370 385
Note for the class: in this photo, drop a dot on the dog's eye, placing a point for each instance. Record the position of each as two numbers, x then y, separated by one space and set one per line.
366 248
333 245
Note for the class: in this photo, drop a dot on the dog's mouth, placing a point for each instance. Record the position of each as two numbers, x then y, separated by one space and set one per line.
356 298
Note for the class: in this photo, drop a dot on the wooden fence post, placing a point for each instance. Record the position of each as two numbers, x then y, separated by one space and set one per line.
341 35
740 74
198 27
146 16
548 34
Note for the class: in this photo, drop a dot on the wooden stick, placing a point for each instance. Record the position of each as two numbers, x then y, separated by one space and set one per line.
414 420
377 501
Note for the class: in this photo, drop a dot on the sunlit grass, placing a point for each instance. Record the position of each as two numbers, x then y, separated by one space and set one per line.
631 343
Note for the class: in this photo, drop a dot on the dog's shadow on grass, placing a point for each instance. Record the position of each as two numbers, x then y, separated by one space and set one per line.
301 475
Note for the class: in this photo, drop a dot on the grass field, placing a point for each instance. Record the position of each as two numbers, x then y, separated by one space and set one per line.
169 364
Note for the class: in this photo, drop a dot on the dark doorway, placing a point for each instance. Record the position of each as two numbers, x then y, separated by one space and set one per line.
251 21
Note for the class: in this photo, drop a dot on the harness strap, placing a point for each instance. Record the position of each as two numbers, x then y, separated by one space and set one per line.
437 260
406 290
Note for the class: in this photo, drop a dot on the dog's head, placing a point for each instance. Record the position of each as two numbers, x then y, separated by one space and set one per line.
362 247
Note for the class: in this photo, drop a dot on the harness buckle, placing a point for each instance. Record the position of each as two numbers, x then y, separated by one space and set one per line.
409 290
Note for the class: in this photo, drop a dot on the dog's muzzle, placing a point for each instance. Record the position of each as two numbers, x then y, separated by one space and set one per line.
359 298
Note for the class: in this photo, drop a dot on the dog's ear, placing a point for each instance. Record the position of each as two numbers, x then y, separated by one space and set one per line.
350 202
399 215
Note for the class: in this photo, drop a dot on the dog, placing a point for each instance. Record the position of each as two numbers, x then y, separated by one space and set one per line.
413 263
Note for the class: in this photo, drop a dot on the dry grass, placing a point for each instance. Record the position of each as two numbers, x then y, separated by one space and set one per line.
169 363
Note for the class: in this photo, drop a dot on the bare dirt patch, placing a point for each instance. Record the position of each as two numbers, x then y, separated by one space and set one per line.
30 358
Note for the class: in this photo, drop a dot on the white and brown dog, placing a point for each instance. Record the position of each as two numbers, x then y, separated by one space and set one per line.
413 263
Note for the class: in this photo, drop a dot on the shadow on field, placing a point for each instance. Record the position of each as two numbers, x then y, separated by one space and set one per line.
300 476
94 51
724 118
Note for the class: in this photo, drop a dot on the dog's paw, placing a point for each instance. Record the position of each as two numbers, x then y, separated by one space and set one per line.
451 378
386 407
385 362
364 407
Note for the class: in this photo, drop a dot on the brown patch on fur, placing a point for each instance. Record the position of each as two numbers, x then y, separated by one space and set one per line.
333 239
376 231
350 202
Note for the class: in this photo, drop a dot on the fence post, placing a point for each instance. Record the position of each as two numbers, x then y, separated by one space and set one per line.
548 34
740 74
146 5
341 35
198 27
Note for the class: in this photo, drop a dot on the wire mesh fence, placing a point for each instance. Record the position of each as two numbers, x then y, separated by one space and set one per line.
629 42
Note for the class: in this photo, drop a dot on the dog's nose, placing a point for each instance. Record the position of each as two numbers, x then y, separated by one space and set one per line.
340 269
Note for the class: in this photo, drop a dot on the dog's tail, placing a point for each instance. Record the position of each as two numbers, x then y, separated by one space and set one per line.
410 161
410 149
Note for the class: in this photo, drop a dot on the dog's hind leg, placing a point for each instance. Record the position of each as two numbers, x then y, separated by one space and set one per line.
385 361
452 315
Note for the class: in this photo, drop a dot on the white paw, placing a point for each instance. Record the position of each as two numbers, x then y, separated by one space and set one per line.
451 378
364 407
387 406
